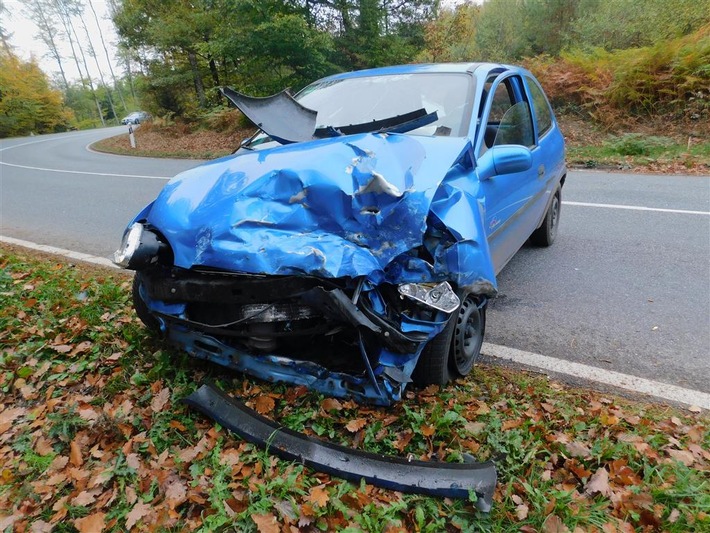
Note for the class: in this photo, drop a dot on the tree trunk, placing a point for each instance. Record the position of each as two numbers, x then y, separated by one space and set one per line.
92 53
48 32
64 17
88 77
108 58
213 71
197 79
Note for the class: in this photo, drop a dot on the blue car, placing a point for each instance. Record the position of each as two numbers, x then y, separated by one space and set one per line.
352 244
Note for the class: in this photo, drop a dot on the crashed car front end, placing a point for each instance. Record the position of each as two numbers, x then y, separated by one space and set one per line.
329 263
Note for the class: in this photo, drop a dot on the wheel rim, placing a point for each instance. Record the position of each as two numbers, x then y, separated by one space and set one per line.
554 215
468 337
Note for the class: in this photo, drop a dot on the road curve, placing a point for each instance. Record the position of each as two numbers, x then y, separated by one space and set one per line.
624 289
56 191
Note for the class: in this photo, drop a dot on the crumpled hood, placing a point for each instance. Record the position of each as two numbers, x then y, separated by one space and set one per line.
334 207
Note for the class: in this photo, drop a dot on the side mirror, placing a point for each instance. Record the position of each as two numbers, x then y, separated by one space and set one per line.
504 159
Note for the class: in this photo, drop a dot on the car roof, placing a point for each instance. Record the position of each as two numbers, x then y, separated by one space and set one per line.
479 68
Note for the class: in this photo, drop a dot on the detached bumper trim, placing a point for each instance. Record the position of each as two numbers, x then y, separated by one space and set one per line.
453 480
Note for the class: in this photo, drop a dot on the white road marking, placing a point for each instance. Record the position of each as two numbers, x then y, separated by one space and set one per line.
42 169
79 256
37 141
637 208
87 173
635 384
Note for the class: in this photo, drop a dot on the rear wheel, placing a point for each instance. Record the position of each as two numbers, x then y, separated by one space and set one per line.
141 308
454 351
545 234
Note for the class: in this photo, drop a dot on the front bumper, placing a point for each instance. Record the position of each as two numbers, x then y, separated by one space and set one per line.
451 480
344 338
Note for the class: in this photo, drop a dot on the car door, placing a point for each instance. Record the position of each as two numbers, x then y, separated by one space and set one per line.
512 200
548 152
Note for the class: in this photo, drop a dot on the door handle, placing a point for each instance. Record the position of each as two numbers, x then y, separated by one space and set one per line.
541 171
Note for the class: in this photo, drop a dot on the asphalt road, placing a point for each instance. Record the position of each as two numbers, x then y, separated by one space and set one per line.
621 289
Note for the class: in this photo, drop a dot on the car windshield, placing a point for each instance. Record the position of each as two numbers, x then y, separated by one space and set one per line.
361 100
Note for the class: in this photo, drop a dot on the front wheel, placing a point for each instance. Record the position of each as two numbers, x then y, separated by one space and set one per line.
454 351
545 234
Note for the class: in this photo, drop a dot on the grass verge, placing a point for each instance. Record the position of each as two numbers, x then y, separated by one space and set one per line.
93 436
635 151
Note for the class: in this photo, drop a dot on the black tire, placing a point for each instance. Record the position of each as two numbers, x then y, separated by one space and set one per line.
454 351
141 308
545 234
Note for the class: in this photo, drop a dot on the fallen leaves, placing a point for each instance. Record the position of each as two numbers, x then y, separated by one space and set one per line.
90 425
554 524
138 511
160 400
683 456
175 493
85 498
75 454
356 425
331 404
318 496
264 404
266 523
599 483
578 449
94 523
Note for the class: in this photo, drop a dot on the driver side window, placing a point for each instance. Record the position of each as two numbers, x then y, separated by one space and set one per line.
509 120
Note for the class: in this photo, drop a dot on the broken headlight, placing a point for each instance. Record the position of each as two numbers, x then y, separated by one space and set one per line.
438 296
140 247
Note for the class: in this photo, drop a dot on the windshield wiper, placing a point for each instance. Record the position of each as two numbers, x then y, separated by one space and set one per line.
397 124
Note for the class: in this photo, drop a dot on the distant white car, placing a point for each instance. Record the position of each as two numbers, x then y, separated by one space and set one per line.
136 117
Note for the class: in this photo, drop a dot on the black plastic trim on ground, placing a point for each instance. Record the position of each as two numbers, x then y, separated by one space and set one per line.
453 480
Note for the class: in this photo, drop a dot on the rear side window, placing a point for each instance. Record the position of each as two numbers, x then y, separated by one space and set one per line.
543 114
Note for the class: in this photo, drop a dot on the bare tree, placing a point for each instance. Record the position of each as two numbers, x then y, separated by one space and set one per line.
57 10
124 52
92 53
4 34
65 9
40 12
108 58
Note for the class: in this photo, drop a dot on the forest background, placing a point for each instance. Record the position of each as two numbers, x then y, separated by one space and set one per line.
614 64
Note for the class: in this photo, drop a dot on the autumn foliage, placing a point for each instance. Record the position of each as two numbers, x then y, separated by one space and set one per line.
27 102
670 78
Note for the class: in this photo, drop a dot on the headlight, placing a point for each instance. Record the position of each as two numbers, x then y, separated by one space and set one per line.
439 296
131 240
141 248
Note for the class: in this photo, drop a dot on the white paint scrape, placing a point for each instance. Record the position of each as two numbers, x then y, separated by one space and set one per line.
634 384
87 258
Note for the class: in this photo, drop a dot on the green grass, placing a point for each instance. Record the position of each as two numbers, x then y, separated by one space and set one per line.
99 432
638 150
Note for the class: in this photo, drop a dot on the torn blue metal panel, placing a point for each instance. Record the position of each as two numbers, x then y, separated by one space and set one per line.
275 368
326 208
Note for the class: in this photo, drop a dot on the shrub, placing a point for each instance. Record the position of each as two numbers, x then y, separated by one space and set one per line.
672 77
638 144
